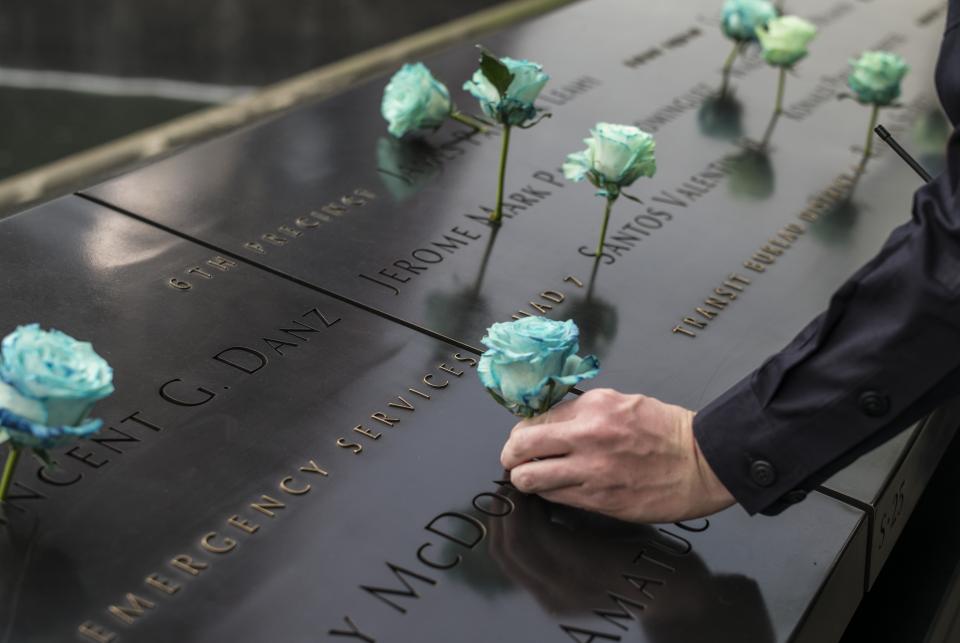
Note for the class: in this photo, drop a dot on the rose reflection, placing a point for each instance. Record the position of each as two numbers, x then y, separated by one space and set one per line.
453 313
38 568
835 225
570 561
751 175
406 166
720 117
597 319
598 322
475 569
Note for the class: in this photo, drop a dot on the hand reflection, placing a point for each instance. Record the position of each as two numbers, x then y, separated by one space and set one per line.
570 560
563 565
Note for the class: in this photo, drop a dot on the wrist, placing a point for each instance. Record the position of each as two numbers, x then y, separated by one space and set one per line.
713 494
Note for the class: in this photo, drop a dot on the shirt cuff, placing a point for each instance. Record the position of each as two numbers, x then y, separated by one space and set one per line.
752 478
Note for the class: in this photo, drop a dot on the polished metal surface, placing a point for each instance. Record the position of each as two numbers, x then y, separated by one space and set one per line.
101 162
423 238
194 443
252 194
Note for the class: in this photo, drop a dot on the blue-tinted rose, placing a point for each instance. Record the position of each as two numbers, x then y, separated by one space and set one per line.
741 18
784 40
616 156
515 107
414 99
876 77
48 383
532 363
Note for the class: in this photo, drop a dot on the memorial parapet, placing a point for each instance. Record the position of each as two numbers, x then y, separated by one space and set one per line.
277 465
887 482
730 253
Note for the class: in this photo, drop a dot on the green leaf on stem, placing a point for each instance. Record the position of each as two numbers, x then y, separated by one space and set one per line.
496 72
540 118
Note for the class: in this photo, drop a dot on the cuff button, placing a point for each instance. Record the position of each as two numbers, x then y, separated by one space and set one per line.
874 403
763 473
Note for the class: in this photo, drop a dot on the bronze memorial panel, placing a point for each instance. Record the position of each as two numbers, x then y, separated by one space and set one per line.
729 254
228 498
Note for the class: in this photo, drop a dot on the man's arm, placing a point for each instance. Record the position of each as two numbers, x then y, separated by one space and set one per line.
886 352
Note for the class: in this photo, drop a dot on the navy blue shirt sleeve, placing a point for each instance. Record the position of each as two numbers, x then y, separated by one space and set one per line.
884 353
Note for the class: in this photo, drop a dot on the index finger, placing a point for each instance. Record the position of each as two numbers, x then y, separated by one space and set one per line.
534 441
561 412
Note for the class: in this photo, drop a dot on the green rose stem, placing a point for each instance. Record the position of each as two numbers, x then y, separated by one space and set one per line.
868 148
603 228
504 147
12 458
778 107
469 121
507 89
728 66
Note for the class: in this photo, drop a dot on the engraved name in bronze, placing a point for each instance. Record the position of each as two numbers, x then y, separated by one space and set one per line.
279 237
284 234
723 295
546 300
405 270
454 536
401 406
652 53
224 539
117 438
658 209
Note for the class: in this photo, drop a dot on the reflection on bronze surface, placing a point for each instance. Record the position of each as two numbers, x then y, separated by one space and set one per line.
751 175
449 311
720 117
835 226
574 562
405 166
596 318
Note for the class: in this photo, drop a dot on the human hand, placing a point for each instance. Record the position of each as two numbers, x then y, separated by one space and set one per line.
627 456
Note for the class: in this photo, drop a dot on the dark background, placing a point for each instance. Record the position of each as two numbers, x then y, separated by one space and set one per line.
219 47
